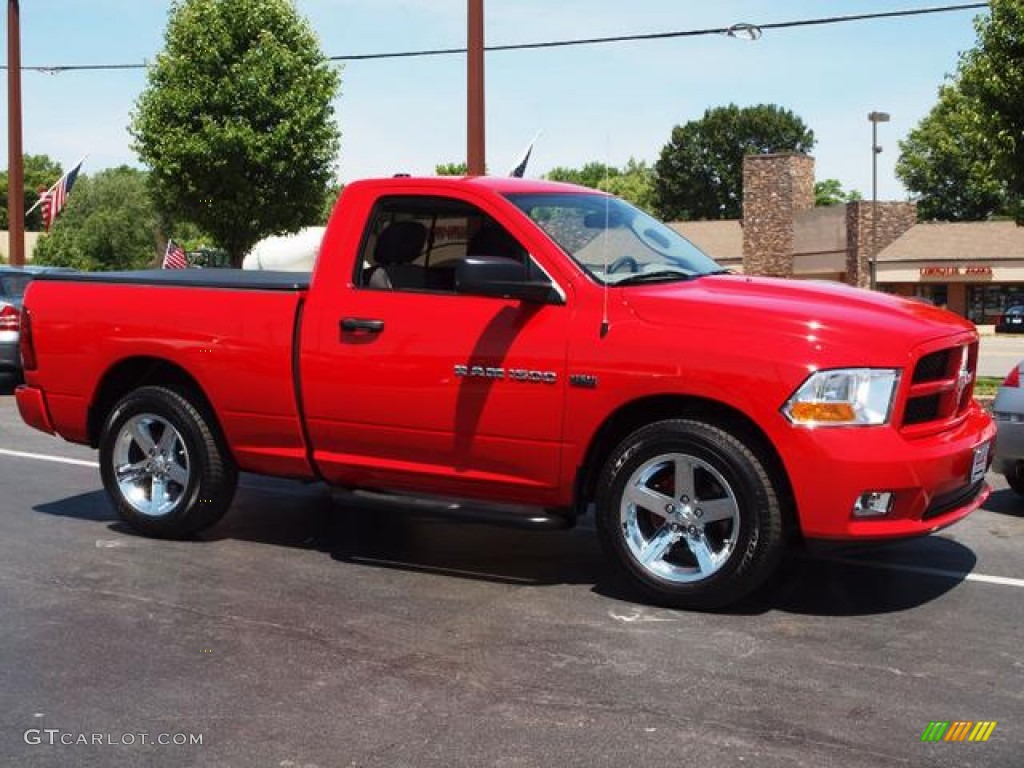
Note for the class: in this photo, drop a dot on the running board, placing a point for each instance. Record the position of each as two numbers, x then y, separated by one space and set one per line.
484 513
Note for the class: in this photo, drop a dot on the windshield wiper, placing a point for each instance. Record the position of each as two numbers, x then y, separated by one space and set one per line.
661 276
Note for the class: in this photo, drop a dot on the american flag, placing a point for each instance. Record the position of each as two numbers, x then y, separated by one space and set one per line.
174 256
52 200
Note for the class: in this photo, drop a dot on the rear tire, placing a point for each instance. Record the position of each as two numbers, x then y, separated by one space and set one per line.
164 465
689 514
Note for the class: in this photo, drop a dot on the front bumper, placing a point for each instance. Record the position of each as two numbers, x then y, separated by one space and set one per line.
930 477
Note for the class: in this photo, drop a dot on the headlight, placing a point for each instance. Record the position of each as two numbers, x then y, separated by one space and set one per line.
844 397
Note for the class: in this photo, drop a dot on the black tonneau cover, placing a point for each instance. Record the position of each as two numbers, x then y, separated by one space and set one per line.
239 279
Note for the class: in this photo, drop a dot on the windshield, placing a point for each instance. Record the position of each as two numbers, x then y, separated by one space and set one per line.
613 241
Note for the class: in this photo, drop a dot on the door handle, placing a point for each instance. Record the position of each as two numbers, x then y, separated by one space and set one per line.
361 325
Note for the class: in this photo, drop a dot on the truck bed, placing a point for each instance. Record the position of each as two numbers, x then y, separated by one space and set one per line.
231 331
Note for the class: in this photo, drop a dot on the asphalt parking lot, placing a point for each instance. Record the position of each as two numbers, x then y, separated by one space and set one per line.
317 629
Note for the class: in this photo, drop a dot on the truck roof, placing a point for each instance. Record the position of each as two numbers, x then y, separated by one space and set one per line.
497 184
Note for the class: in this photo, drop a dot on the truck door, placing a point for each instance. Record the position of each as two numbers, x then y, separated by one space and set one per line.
410 384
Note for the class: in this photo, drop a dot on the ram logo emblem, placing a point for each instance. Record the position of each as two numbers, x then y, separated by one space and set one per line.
505 374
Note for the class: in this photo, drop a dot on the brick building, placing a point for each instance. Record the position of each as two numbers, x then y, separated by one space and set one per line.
975 269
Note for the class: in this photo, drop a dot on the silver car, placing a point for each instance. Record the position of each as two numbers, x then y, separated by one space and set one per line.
1008 410
13 281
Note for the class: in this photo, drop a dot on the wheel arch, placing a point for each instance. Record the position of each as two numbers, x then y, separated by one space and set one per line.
132 373
639 413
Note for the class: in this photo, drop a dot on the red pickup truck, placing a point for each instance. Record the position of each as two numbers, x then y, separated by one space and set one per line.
524 342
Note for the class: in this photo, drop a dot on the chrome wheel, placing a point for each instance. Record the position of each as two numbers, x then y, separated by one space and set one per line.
164 464
151 464
680 518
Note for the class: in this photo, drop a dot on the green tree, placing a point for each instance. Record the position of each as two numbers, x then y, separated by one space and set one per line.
992 81
451 169
699 174
109 223
592 175
40 172
333 193
236 120
188 236
946 163
831 192
634 183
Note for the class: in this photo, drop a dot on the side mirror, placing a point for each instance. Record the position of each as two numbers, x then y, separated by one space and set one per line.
501 277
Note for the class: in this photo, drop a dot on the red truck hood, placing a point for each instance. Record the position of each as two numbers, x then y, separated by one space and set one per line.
831 312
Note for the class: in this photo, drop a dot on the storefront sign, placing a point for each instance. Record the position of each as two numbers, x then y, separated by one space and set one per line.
976 270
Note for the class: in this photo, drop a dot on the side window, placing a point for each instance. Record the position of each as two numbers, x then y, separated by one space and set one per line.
415 243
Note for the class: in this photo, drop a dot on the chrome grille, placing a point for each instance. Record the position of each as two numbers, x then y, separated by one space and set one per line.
942 386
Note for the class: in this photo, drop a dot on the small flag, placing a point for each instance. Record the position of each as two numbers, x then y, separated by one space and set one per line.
53 199
520 168
174 256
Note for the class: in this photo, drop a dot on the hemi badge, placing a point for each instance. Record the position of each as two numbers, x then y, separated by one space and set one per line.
583 380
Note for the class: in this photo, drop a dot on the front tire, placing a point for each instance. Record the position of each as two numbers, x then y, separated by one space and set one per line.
164 465
689 514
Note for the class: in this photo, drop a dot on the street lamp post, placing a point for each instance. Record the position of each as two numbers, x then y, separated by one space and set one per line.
875 118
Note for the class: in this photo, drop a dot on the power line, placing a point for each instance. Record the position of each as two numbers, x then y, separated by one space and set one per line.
752 31
732 31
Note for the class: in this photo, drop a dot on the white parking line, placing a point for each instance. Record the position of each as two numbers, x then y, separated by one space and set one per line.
95 465
941 572
956 575
44 457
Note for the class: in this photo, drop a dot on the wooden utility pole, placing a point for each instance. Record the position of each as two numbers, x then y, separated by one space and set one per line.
16 171
476 163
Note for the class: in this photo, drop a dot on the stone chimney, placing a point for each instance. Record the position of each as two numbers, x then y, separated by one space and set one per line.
775 188
893 220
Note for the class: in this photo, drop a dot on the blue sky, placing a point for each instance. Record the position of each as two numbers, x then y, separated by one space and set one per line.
592 103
